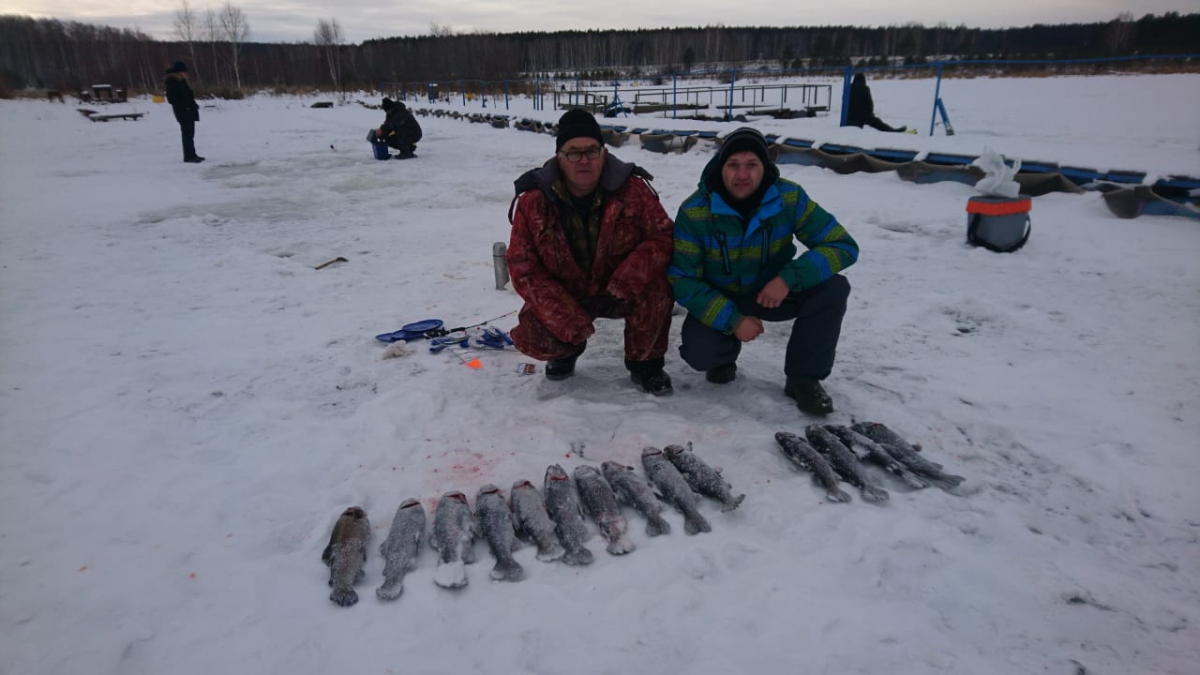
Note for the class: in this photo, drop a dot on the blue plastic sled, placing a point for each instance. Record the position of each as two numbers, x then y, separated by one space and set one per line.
412 331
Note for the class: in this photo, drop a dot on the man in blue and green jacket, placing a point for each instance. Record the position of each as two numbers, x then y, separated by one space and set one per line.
735 266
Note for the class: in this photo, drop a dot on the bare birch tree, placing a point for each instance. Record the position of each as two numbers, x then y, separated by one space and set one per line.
329 37
186 27
235 29
212 35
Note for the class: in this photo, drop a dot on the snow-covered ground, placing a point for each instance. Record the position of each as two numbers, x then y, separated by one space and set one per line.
186 406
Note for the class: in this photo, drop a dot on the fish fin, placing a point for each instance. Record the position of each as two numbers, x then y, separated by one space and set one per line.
327 555
343 596
390 590
359 576
733 503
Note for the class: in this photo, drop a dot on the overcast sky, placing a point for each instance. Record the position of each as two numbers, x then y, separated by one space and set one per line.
294 20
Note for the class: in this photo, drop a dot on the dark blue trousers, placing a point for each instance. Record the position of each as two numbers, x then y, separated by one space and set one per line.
816 315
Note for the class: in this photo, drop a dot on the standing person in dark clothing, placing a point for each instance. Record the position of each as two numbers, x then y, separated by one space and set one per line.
400 130
862 107
187 112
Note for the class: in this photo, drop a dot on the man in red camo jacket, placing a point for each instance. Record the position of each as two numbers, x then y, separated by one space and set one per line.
590 239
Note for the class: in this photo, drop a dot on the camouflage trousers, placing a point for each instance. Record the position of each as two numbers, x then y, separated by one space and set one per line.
647 325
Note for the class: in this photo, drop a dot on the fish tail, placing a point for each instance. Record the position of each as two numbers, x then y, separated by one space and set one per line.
733 502
343 595
550 552
451 574
390 590
656 526
507 570
694 523
620 546
836 495
871 493
580 556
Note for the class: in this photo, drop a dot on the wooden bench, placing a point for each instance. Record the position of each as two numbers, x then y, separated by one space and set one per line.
115 116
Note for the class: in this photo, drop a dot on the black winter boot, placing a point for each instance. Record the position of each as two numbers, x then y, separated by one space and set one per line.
650 376
722 374
809 394
561 369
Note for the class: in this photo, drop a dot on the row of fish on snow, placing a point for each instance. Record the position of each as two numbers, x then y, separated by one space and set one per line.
554 519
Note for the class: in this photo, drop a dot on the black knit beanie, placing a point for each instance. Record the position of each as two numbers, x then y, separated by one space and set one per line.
577 123
179 67
742 140
387 104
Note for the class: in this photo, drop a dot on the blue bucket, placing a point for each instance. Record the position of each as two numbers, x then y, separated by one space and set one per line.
379 147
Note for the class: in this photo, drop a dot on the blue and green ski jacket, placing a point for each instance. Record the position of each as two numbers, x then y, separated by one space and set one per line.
718 254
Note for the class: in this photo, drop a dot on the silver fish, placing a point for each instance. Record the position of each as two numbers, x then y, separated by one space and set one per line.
907 455
633 490
532 521
346 554
495 522
674 489
799 451
865 447
703 478
401 548
601 504
563 507
844 462
454 531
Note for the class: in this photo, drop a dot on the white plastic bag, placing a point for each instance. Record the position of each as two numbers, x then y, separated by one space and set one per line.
998 179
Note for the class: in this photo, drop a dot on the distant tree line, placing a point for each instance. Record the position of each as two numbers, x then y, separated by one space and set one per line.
69 56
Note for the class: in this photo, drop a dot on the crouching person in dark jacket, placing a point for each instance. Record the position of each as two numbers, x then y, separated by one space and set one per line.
187 112
400 130
735 266
590 239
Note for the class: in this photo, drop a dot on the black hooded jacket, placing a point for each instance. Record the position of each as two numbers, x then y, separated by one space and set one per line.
182 100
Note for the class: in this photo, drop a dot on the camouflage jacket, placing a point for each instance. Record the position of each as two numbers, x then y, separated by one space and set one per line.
718 254
634 246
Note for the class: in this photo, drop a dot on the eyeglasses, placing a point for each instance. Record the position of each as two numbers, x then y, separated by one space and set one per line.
573 156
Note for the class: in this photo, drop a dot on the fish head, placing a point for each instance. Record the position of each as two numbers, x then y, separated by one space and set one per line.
611 468
650 450
674 450
784 436
355 512
456 496
410 502
585 471
522 484
487 489
555 472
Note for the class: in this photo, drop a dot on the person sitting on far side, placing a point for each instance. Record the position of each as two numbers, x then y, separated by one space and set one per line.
735 266
861 109
590 239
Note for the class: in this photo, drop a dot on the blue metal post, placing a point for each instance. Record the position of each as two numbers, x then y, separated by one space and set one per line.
462 87
847 78
937 97
506 94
